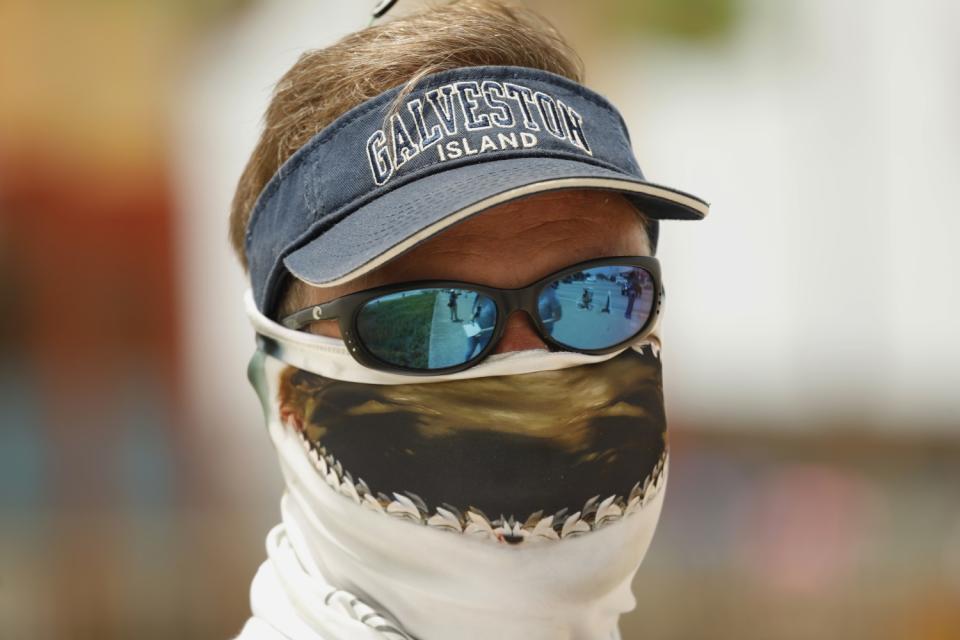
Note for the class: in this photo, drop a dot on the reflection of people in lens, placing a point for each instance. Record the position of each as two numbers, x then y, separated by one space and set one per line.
452 303
549 306
634 291
586 300
480 327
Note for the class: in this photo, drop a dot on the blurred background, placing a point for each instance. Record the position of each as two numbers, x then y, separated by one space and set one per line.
810 341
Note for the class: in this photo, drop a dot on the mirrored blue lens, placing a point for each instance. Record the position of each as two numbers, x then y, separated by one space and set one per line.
427 328
597 308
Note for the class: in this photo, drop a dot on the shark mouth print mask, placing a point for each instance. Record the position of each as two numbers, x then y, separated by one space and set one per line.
520 459
515 499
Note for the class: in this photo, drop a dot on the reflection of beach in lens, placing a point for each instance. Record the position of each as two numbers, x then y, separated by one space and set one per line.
427 328
598 307
455 342
396 327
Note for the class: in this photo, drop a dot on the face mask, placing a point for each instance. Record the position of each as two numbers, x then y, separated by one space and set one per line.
514 499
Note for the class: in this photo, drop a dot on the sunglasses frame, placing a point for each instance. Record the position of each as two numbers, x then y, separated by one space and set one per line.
346 310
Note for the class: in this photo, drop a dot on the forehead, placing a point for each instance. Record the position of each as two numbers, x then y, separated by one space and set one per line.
578 217
518 241
510 245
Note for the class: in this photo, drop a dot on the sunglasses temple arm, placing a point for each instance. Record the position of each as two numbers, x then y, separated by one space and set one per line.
300 319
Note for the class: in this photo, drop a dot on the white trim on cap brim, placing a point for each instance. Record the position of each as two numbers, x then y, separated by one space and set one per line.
653 190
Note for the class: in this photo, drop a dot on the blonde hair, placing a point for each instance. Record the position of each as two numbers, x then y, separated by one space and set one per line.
325 83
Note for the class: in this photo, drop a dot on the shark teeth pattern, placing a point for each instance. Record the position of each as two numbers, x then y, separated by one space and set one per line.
652 343
473 522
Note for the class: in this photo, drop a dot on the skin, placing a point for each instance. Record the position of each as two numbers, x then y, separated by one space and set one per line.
509 246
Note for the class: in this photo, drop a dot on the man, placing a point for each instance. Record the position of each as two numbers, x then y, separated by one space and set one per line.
482 323
452 304
634 290
441 485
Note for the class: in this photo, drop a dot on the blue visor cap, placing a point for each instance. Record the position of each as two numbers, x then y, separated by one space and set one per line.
376 181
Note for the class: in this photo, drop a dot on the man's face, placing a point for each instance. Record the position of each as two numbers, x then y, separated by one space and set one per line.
510 246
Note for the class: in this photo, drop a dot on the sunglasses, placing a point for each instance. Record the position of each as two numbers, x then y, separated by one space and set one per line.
443 326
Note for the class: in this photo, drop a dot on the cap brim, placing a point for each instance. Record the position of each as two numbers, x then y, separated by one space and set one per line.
395 222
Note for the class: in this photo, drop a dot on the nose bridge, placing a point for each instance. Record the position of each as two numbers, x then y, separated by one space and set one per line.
514 299
519 333
522 313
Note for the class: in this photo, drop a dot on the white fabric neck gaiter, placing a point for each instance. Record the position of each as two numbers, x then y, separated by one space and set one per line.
512 500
